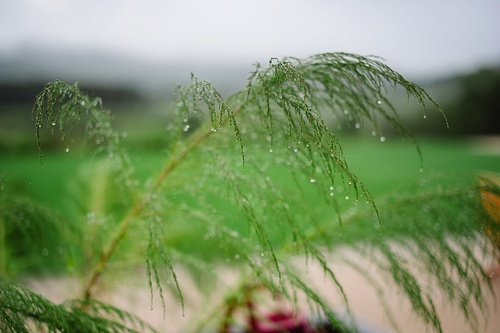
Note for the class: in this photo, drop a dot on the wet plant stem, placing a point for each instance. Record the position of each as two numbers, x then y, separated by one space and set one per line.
136 211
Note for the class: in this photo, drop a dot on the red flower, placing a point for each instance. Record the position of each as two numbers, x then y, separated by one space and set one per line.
280 321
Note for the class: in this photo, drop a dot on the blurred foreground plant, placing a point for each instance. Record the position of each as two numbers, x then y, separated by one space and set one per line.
235 187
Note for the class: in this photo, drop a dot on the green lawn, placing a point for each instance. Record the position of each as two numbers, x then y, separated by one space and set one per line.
70 183
383 167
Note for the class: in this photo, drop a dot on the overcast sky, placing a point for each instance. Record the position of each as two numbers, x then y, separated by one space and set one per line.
417 38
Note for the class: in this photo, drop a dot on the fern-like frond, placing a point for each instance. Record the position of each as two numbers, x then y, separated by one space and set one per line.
279 123
439 230
294 97
203 97
33 238
61 106
22 310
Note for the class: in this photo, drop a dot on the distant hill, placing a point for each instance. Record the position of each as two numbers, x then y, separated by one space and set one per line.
470 100
39 64
25 93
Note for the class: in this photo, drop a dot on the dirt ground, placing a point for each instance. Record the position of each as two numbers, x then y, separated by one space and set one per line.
363 301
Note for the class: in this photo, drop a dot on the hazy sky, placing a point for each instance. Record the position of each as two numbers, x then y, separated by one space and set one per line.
414 37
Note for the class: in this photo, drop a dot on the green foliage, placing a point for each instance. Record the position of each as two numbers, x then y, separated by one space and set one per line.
476 110
436 230
24 311
266 144
29 229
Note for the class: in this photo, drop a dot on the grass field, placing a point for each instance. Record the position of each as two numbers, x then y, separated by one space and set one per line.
383 167
74 183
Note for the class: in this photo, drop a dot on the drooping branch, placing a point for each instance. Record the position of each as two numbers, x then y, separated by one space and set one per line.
287 102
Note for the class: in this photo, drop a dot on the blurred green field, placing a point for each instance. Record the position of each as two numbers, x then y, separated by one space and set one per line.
383 167
77 183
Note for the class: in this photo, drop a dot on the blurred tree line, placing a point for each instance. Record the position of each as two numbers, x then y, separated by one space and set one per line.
477 108
471 103
25 93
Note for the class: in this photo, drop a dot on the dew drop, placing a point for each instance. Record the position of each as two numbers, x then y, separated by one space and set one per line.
331 188
186 128
53 124
379 102
425 116
270 150
358 125
313 180
213 130
382 139
67 150
347 197
331 194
